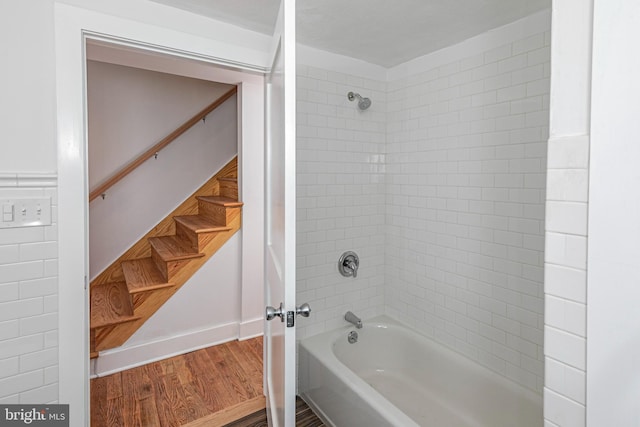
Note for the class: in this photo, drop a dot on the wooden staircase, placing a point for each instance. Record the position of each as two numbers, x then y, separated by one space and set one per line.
136 285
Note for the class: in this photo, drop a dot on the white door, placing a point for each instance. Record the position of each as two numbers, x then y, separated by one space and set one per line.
280 251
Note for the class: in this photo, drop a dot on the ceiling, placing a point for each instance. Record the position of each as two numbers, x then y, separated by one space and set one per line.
383 32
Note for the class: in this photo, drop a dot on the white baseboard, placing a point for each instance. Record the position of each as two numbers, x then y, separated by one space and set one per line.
251 329
122 358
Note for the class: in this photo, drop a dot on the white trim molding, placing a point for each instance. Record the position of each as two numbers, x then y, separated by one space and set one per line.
251 329
121 359
28 180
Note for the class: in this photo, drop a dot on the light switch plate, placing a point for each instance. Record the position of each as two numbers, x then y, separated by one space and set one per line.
25 212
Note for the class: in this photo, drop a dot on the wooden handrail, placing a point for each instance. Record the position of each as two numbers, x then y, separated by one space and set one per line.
151 152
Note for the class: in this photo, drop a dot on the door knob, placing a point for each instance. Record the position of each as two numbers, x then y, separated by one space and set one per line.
304 310
271 313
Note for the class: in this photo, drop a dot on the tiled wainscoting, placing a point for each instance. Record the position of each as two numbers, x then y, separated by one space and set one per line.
29 299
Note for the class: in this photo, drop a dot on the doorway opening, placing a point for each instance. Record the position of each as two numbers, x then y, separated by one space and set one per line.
186 322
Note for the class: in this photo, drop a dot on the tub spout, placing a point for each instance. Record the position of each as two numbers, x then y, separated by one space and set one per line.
352 318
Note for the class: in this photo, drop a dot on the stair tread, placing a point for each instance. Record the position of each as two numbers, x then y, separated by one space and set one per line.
200 224
228 179
172 248
110 304
142 275
222 201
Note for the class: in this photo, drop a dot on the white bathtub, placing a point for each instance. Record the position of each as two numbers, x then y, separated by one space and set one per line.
395 377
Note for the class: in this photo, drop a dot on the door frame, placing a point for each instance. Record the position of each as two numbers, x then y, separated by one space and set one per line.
242 66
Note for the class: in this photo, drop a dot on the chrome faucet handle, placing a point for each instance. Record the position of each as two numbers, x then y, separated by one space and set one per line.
348 264
351 265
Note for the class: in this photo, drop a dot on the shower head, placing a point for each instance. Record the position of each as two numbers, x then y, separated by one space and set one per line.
363 103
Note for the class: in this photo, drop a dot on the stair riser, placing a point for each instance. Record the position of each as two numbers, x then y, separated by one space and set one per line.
168 269
142 276
93 353
162 266
229 189
198 240
220 214
204 239
139 299
216 213
110 304
188 235
115 336
111 338
99 334
115 300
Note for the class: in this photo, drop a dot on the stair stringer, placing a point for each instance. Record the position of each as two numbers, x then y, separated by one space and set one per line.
147 303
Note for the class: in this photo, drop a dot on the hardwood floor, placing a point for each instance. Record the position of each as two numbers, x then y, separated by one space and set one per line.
182 389
212 387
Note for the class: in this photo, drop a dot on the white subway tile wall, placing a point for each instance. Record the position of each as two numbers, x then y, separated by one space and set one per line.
341 196
440 187
466 163
565 332
28 300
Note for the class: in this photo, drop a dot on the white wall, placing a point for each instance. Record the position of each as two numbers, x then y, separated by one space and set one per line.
28 87
29 366
129 110
566 222
340 195
613 294
466 161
